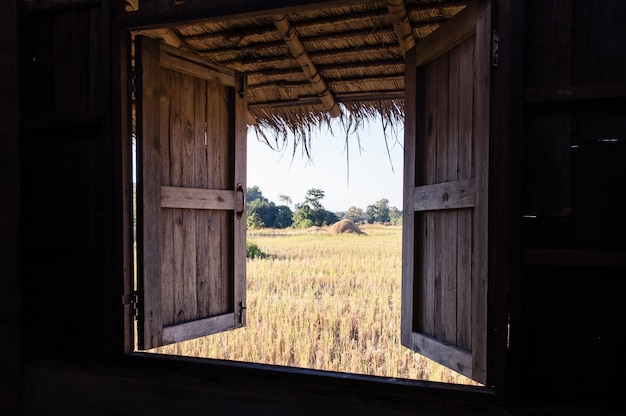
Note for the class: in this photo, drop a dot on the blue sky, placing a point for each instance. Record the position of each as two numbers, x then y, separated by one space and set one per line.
371 175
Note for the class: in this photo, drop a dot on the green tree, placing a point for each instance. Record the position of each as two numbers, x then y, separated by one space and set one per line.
355 214
311 211
313 198
254 193
395 216
378 212
302 217
265 209
370 214
284 217
254 221
382 210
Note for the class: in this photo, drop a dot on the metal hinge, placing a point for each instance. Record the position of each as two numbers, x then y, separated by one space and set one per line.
133 299
132 82
495 48
240 314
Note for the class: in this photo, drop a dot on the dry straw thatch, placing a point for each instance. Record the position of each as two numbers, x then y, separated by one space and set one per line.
309 67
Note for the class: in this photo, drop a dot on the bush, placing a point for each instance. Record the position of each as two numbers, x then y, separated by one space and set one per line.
253 250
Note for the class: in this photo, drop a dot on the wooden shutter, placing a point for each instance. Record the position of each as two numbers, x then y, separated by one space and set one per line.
191 143
444 277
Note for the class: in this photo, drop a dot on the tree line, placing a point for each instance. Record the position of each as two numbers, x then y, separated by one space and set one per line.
263 213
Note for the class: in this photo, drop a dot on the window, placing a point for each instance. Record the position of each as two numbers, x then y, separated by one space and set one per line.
192 156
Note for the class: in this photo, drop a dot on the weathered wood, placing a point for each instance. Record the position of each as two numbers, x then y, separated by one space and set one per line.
194 65
190 243
411 230
464 216
450 284
447 36
455 358
450 204
482 120
200 163
445 195
198 328
429 158
240 168
149 225
198 198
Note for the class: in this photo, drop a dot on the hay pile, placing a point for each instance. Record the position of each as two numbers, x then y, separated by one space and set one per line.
345 226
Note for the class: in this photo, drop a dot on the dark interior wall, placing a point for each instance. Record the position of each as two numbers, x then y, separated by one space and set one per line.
569 353
10 363
574 198
64 171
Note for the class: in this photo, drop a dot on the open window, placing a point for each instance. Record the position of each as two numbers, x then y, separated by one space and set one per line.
445 256
191 146
191 135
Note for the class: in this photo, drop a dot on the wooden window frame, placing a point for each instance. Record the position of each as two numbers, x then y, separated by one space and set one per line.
406 388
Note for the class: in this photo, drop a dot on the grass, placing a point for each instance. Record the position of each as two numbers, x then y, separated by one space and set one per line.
326 302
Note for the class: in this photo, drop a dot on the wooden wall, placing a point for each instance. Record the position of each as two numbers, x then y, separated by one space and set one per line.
65 170
10 363
573 279
574 197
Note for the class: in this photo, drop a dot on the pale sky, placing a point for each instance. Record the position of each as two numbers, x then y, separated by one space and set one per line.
371 175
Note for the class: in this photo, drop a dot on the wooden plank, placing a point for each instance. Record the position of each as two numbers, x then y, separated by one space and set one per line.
464 216
453 357
189 215
150 334
198 198
167 219
198 328
194 66
176 174
428 244
446 195
201 166
441 174
452 238
240 175
411 229
482 54
447 36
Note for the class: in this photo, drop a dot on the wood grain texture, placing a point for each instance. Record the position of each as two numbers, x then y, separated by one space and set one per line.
193 173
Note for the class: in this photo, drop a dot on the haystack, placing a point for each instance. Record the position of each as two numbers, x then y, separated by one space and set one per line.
345 226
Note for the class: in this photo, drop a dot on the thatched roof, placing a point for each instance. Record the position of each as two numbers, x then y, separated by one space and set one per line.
308 67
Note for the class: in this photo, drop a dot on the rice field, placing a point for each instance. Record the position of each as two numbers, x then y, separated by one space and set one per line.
323 301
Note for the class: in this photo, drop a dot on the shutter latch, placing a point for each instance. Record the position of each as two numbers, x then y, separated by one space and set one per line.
241 202
240 314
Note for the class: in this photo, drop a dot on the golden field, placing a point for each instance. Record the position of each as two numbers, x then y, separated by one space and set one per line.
323 301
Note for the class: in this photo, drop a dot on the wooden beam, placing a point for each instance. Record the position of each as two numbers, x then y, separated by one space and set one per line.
308 67
349 97
401 24
150 16
450 34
